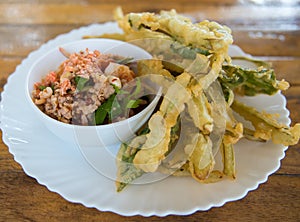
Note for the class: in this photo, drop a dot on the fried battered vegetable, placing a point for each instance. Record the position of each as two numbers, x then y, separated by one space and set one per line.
153 151
219 113
266 126
228 159
233 133
195 117
192 155
153 66
179 28
183 141
201 161
250 82
127 172
199 110
169 31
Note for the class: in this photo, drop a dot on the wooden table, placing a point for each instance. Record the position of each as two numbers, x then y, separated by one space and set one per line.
269 31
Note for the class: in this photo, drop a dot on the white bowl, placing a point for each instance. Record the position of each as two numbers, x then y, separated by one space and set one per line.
100 135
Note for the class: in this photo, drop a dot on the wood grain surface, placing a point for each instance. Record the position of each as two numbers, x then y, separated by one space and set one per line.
266 29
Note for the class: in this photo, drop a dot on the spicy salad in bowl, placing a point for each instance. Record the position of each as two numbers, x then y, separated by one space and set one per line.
89 91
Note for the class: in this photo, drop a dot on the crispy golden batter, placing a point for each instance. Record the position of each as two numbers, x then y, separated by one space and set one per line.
153 151
195 119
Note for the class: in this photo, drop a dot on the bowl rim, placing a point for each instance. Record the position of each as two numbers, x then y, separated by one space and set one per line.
72 126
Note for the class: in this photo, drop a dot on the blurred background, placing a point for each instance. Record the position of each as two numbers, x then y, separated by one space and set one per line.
27 24
266 29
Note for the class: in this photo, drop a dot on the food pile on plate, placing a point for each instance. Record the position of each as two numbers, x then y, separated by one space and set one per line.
85 88
197 115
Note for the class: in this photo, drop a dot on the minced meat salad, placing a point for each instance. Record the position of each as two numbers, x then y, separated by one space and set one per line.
82 89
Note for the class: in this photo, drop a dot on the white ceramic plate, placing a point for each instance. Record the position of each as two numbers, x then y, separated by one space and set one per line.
62 168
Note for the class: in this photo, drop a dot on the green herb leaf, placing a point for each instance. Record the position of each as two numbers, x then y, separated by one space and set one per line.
138 87
113 107
132 104
42 87
119 91
80 82
104 109
100 115
116 110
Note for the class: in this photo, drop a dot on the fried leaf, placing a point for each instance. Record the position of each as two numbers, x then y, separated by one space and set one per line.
127 172
251 82
266 125
188 52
